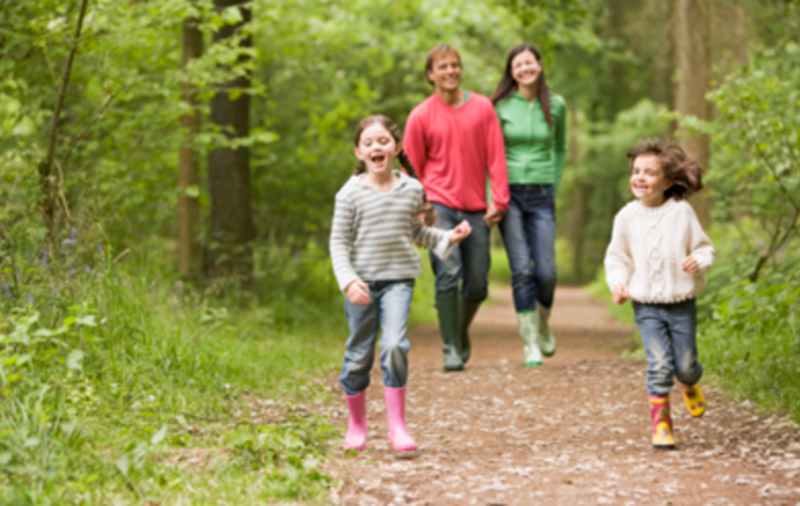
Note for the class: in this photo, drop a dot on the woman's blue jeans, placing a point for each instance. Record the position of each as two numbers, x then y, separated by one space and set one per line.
669 339
387 311
529 234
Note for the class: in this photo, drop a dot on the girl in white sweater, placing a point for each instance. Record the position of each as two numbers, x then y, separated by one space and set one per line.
657 256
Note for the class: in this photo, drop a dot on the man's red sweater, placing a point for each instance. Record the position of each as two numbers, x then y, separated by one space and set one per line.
452 149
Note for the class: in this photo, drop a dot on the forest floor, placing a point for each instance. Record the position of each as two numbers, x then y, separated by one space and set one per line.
573 431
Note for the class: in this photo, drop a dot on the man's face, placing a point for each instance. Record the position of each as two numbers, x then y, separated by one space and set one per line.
446 72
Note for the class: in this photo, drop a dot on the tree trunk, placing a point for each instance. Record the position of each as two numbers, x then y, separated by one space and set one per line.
189 164
740 33
692 54
577 232
47 180
232 229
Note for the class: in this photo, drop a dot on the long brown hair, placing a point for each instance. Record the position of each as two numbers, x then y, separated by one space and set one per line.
508 85
679 167
426 210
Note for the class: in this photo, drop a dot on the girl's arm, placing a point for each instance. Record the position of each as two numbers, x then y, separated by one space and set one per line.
618 262
435 239
699 245
341 242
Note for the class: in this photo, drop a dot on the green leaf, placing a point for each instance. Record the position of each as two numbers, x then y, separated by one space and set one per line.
123 464
74 360
192 191
159 436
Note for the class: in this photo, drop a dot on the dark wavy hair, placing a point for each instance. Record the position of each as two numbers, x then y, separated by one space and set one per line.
426 210
679 167
507 85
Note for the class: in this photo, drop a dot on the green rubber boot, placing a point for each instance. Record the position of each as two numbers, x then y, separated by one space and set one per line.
447 307
468 311
546 339
527 330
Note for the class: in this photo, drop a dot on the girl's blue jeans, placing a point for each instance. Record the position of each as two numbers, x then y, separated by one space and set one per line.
669 338
529 235
387 311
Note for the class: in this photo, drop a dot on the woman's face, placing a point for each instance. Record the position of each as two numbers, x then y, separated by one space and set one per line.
525 68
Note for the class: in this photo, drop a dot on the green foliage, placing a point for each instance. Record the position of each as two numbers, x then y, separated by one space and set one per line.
756 163
104 397
596 188
751 343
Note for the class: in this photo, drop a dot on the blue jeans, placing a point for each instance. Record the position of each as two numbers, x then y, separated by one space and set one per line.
529 234
387 310
469 261
668 335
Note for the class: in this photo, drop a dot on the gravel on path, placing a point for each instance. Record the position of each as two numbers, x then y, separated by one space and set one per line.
573 431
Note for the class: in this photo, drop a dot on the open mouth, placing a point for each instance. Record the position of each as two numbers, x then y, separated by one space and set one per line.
378 159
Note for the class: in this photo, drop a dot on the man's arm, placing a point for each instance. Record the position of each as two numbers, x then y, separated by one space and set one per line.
498 172
414 142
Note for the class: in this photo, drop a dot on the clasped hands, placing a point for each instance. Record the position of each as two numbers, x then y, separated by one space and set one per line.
620 293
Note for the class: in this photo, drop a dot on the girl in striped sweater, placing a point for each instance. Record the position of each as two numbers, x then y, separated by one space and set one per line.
379 214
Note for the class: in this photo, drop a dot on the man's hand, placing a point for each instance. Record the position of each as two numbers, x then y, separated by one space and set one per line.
620 294
492 216
358 292
460 232
690 265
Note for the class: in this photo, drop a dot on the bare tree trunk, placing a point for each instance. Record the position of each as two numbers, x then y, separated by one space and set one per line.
47 180
577 232
692 54
232 229
740 33
189 164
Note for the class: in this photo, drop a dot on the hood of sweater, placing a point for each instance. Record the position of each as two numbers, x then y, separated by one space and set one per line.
360 182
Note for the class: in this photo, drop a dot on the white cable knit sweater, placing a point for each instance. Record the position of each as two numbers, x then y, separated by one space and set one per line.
647 247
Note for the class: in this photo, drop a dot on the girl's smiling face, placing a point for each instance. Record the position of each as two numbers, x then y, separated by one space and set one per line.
525 68
648 181
377 149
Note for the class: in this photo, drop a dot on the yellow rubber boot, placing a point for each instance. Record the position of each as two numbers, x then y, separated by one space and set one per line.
695 400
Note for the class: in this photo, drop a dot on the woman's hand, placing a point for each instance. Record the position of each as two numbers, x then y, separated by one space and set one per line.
460 232
690 265
620 293
358 292
493 215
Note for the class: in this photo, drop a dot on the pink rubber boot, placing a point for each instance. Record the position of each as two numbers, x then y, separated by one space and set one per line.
396 413
356 437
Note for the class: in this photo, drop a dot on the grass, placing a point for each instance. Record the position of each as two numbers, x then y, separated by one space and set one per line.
120 389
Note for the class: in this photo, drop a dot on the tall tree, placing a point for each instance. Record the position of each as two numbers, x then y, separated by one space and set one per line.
690 31
48 181
230 252
189 163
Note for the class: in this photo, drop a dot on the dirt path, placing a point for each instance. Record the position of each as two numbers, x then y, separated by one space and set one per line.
573 431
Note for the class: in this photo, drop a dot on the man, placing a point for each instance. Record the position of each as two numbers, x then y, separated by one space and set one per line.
453 139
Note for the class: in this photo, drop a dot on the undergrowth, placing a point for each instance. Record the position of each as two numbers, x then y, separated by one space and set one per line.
117 386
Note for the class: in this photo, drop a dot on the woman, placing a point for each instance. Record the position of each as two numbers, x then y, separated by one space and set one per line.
534 129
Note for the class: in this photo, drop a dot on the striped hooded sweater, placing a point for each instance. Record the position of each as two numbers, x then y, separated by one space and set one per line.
373 233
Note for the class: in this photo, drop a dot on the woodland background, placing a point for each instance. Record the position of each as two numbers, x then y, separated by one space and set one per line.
167 173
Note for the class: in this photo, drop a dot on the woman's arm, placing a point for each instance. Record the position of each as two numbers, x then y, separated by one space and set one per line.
559 142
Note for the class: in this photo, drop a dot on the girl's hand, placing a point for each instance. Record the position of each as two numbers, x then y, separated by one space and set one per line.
620 294
358 292
460 232
690 265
